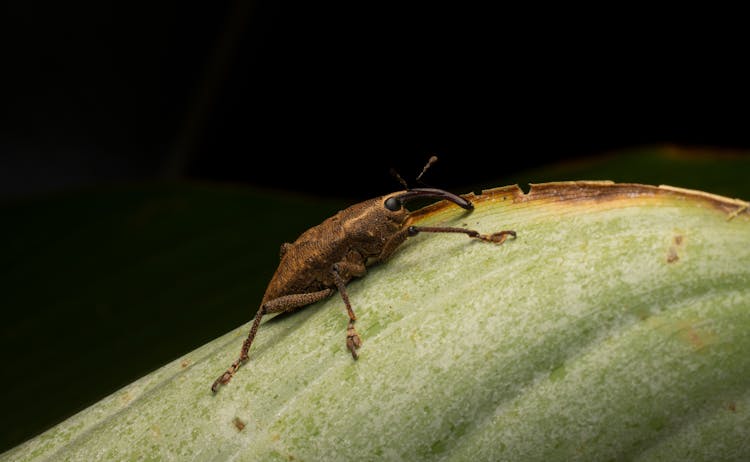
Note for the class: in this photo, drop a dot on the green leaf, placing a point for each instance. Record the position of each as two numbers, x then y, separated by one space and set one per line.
615 327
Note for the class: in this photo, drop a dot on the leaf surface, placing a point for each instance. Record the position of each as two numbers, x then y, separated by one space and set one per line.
616 326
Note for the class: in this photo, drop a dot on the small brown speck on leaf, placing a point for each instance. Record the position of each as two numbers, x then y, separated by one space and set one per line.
695 339
672 255
185 363
732 406
238 424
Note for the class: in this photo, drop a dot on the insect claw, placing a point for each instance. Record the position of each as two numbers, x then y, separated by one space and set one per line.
225 377
355 355
352 340
229 373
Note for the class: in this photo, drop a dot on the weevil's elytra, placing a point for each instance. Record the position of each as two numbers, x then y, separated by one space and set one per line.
329 255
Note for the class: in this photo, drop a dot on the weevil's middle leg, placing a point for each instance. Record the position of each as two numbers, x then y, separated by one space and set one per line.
285 303
352 337
498 237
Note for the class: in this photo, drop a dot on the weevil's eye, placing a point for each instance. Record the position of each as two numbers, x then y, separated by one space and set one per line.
392 204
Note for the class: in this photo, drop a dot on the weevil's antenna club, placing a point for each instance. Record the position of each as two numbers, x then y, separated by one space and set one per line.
403 182
429 163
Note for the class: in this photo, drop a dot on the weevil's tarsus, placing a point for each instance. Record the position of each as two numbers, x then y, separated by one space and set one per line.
497 238
353 342
229 373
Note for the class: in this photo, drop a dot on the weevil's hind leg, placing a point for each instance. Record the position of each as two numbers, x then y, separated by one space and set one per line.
353 342
227 375
498 237
285 303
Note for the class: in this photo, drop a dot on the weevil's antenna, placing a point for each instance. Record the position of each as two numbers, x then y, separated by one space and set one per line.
395 175
429 163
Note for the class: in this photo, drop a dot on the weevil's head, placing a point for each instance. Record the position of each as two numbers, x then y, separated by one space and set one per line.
393 205
371 224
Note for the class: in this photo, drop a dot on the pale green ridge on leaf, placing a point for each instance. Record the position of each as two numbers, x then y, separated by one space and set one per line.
615 327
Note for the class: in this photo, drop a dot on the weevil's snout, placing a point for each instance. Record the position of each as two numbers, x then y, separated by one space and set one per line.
393 203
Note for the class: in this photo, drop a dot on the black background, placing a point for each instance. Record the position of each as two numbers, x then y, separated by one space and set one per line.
325 98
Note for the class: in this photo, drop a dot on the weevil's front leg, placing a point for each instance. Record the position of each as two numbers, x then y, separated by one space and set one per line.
498 237
392 244
285 303
348 268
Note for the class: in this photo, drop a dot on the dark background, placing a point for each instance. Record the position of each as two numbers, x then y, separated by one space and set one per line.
320 100
325 98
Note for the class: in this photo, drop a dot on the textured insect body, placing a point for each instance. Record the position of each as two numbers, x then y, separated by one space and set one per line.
329 255
354 237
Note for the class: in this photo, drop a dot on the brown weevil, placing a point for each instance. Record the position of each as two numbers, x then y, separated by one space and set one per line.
329 255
